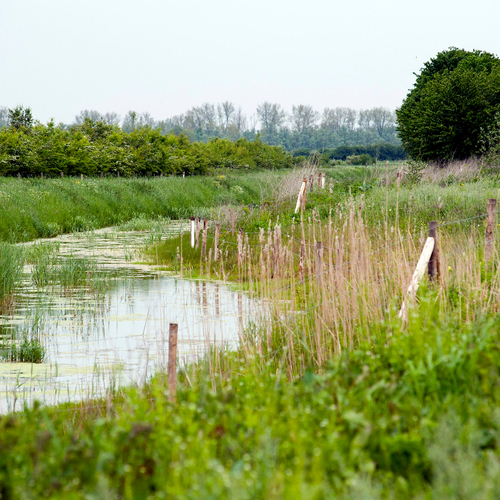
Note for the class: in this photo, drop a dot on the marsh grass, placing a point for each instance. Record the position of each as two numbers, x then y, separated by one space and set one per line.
11 267
330 395
38 208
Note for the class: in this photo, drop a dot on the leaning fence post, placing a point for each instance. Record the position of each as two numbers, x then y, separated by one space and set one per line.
216 243
193 219
172 363
204 241
434 267
423 262
302 195
490 229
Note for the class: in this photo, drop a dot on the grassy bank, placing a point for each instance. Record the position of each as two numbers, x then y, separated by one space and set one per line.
410 415
333 396
40 208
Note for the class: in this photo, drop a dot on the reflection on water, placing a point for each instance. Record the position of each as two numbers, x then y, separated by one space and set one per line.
92 344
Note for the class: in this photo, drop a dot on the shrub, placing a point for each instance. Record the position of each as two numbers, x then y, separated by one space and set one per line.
456 97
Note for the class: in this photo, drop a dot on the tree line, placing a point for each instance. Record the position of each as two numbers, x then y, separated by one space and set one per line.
303 127
29 148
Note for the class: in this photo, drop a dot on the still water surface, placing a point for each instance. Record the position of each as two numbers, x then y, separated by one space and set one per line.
120 338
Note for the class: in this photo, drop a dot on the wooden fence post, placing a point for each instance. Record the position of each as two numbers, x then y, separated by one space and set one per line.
434 267
193 230
276 251
62 175
240 247
197 244
319 263
216 243
41 175
323 180
204 241
81 177
490 229
423 262
319 180
302 263
172 363
100 176
302 195
233 222
311 182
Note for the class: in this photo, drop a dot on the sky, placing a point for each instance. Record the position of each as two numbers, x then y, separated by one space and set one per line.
164 57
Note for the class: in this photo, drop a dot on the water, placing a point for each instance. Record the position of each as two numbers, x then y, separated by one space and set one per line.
95 343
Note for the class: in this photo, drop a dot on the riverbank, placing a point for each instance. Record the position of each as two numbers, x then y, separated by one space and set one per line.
334 397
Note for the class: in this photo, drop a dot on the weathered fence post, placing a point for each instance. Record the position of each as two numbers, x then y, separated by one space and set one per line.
240 248
197 244
434 267
41 175
490 229
319 180
216 242
81 177
302 263
100 176
193 230
311 182
302 195
423 261
323 180
62 175
204 242
172 363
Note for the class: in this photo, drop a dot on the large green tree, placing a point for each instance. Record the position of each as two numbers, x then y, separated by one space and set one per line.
455 99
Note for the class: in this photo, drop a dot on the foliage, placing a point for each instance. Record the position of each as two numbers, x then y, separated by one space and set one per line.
456 96
363 159
93 147
11 267
380 152
28 350
395 417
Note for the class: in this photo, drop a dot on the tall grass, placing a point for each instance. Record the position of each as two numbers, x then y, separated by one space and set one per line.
11 266
331 395
38 208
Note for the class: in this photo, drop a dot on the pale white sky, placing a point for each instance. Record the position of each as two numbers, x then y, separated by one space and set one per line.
165 56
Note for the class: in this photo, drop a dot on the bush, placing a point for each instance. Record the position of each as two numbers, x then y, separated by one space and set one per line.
454 99
93 148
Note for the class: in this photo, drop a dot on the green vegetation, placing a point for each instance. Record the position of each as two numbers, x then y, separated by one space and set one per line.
453 108
42 208
27 350
11 266
333 396
94 147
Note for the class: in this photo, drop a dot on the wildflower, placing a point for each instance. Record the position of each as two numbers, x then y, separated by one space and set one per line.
449 268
